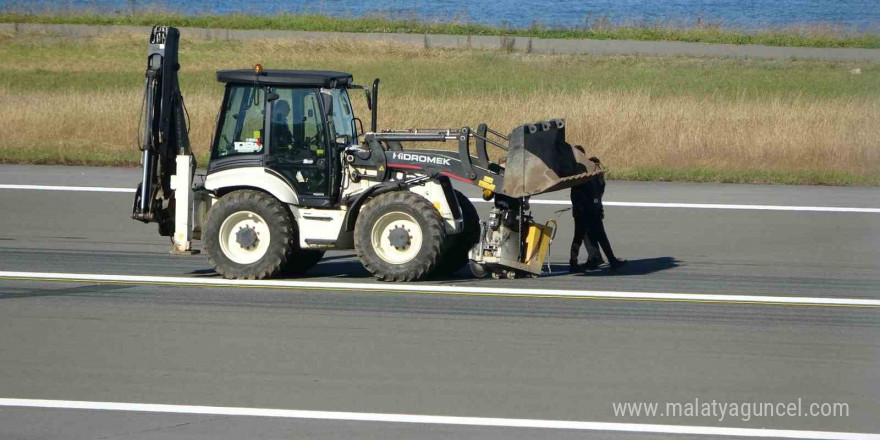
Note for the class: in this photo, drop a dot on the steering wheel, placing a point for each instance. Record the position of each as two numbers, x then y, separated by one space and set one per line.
309 141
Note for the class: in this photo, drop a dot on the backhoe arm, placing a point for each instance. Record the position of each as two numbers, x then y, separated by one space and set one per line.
164 135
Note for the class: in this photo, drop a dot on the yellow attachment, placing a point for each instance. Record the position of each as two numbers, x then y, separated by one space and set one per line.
488 194
258 69
538 242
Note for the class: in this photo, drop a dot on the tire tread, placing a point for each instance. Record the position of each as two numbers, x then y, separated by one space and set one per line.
433 236
280 223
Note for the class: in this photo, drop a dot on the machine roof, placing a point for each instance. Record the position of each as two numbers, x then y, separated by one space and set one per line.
292 78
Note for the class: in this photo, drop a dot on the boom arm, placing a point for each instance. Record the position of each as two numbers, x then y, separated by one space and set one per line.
538 158
164 134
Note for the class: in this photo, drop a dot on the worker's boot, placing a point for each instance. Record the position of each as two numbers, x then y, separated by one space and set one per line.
593 263
574 267
616 263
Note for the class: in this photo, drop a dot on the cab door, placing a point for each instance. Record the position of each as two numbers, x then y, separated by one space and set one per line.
299 142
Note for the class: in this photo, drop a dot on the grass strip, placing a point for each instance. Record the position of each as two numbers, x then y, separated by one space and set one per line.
598 29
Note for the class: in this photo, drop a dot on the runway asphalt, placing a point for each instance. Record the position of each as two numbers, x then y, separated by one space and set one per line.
393 353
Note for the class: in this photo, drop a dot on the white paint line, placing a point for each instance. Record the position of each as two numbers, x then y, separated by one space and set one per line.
745 207
438 420
711 206
431 288
69 188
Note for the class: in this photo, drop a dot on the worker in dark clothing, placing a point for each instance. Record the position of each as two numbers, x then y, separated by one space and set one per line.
593 216
580 200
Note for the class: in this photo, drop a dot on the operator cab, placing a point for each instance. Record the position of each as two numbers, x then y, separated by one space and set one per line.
293 123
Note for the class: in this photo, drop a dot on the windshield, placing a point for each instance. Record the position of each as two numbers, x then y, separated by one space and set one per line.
297 123
343 116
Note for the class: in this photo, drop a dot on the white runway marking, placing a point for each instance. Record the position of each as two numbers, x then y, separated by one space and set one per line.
438 420
711 206
533 202
446 289
69 188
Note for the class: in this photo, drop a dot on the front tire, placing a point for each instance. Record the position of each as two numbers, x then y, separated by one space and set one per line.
399 236
249 235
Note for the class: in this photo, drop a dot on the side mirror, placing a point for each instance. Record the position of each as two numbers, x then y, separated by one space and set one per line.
328 103
272 96
369 99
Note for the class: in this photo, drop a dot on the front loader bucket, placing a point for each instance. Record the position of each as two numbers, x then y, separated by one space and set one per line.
539 161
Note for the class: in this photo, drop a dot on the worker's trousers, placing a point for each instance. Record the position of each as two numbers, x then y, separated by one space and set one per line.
581 237
596 232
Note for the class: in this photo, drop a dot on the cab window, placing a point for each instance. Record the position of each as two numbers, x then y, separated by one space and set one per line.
343 116
298 140
297 124
242 119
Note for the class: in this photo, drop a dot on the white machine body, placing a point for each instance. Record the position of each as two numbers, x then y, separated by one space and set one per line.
319 228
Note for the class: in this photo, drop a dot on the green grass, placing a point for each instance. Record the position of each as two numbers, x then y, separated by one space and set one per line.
428 74
802 36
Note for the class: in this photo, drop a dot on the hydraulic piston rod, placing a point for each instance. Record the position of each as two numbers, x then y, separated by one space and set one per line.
164 135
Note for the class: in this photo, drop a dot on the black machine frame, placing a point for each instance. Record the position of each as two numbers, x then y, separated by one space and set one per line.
165 132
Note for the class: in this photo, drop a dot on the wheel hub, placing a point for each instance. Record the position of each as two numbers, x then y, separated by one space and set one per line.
399 238
396 237
246 237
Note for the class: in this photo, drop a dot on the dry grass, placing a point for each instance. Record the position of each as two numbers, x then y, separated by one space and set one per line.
83 127
626 129
635 130
755 134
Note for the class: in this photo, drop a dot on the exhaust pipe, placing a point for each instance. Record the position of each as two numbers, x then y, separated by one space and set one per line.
374 97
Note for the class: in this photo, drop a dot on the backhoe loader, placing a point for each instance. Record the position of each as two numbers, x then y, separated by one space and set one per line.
292 174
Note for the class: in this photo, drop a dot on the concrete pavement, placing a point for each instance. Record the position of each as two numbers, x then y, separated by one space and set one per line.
531 358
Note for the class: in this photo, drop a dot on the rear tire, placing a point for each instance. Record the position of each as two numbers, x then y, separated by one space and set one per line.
399 236
456 255
249 235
